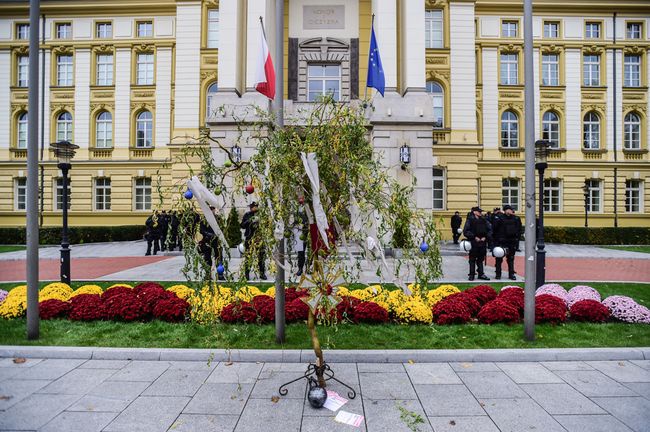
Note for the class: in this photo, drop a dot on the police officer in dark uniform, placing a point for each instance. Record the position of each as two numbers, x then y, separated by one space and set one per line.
249 224
153 233
209 244
163 220
507 230
456 222
478 231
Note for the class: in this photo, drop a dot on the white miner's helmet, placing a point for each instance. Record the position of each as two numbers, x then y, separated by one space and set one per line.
498 252
465 246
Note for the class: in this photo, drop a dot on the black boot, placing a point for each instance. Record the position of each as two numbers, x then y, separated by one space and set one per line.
483 277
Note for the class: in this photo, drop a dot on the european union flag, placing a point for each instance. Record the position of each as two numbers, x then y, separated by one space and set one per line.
375 70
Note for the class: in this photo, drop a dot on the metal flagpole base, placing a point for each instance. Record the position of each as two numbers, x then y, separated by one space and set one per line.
312 370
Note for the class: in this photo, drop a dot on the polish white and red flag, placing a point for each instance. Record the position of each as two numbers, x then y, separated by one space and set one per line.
265 73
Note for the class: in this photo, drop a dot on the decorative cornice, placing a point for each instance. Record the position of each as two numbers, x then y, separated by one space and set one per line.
511 105
552 49
208 75
633 50
593 107
551 106
17 107
55 107
634 107
435 74
510 48
143 48
101 106
104 49
21 50
62 50
138 106
593 49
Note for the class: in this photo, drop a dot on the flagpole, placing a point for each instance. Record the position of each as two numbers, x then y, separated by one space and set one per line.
279 118
372 25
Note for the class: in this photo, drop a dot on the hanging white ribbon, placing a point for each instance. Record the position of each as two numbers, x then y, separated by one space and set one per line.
311 168
205 198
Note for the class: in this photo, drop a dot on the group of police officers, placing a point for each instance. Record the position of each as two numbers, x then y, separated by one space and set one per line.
501 228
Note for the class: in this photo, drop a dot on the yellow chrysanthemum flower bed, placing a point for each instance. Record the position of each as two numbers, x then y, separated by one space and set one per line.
208 303
270 292
15 304
87 289
435 295
121 285
342 291
413 311
247 293
55 290
182 291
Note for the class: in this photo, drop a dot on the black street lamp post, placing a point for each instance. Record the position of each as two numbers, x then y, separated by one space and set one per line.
542 149
64 152
585 191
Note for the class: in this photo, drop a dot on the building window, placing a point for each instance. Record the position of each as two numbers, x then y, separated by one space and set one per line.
104 30
592 30
21 130
438 95
632 131
64 31
509 69
633 31
22 31
64 70
632 71
510 193
20 202
550 70
213 28
591 70
145 29
594 199
551 128
144 74
211 99
104 130
144 130
633 196
22 73
509 130
591 131
509 29
64 127
438 189
104 69
143 193
59 194
324 80
551 29
552 195
102 193
433 29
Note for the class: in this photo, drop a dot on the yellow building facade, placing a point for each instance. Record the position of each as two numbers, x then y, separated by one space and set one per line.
133 82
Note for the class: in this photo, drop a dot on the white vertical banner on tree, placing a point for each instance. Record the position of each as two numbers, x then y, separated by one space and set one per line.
311 168
205 198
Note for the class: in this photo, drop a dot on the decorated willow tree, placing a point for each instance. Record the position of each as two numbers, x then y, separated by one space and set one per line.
325 166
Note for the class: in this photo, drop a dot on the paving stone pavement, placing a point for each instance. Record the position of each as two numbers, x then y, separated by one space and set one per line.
149 396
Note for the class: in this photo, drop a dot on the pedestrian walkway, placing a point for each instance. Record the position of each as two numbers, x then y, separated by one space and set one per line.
71 395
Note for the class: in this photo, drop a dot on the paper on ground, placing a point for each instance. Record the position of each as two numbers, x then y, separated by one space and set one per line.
349 418
334 401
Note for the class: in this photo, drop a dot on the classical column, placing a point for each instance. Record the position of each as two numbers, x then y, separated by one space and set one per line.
81 97
163 95
122 97
412 46
610 64
231 35
5 106
572 111
386 31
463 67
490 99
188 64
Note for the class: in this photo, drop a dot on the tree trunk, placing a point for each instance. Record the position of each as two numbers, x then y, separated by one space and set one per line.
311 323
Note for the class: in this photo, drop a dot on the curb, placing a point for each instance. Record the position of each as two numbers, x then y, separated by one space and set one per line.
332 356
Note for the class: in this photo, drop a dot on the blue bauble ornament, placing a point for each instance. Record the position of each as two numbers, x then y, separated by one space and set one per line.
220 269
188 194
424 246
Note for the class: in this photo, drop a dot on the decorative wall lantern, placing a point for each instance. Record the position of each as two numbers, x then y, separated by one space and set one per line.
236 153
405 155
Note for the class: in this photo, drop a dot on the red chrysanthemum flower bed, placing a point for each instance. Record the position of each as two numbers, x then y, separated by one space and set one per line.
53 308
172 309
146 285
239 312
451 311
296 310
589 310
265 308
497 311
86 307
124 306
370 312
291 293
549 308
346 309
468 300
514 297
116 291
150 296
482 293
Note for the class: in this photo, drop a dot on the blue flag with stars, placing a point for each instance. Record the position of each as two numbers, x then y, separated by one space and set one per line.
376 77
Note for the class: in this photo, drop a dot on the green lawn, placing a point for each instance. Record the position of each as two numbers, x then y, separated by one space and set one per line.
643 249
344 336
11 248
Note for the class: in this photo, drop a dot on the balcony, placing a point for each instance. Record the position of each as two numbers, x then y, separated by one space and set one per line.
141 152
100 153
441 136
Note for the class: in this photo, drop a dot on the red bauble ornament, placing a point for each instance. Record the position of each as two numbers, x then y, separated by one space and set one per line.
250 189
301 200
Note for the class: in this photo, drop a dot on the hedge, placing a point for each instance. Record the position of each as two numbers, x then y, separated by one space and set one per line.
597 236
77 235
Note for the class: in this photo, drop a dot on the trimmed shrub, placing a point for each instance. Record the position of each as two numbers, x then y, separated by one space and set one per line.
291 293
497 311
625 309
124 306
468 300
589 310
582 292
150 295
238 312
598 236
172 309
146 285
482 293
370 312
53 308
513 296
554 290
86 307
450 311
346 309
233 229
77 235
265 308
296 310
116 290
549 308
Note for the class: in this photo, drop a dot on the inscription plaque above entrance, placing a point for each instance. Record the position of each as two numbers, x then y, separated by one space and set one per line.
323 17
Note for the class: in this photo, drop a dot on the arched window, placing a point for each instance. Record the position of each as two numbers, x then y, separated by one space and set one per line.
211 99
104 130
21 136
591 131
632 127
509 130
551 128
438 94
144 129
64 127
